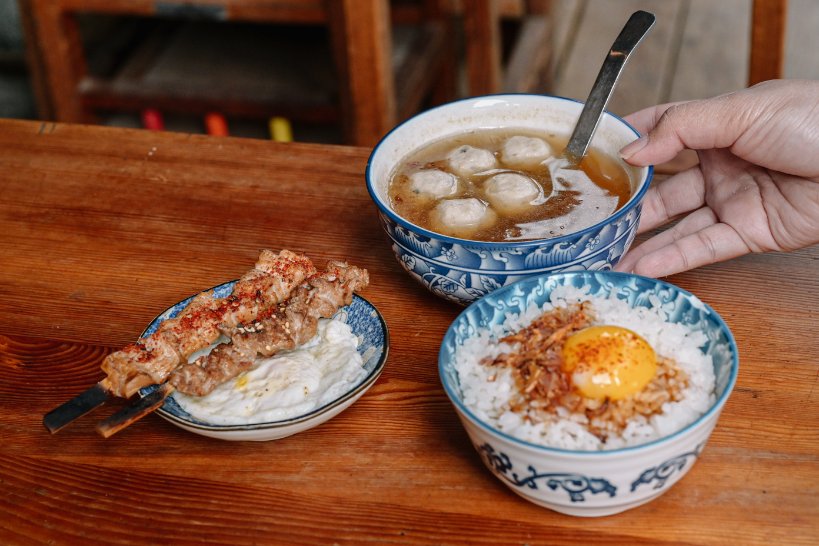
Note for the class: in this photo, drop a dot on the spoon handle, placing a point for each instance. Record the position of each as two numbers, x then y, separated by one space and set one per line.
633 32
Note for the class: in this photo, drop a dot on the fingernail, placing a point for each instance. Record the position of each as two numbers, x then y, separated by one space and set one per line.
633 147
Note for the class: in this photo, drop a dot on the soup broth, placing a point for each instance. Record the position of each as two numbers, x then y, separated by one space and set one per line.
496 185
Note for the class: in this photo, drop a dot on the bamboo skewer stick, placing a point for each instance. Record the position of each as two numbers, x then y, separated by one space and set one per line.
133 413
75 408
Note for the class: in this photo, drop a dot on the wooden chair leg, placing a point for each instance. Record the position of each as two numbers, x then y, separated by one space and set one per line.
768 23
528 67
483 46
60 52
445 88
34 62
361 37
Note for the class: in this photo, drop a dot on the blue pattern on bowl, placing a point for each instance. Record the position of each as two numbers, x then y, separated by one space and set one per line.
577 486
662 472
467 270
366 323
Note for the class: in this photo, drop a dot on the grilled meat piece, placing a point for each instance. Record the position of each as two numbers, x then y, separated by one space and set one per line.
152 359
285 327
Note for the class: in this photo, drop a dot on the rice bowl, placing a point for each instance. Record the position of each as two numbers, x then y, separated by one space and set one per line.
572 475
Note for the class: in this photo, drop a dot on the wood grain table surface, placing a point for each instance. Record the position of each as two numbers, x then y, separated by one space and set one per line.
101 229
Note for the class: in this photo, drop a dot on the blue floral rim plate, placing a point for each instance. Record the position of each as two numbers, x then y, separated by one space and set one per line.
367 325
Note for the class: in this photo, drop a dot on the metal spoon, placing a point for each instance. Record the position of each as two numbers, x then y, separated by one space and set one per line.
633 32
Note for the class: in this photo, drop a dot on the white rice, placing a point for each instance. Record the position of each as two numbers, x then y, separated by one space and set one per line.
489 398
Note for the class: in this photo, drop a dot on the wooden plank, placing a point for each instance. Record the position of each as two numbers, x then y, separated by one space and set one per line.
483 46
63 65
361 31
302 11
641 83
713 51
104 228
34 62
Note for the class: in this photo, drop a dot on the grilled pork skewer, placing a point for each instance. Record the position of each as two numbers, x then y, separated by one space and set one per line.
152 359
288 326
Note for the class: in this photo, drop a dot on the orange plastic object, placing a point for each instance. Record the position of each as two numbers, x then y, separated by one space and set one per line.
216 124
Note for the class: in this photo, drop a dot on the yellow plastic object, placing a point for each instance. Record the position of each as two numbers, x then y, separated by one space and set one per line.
280 129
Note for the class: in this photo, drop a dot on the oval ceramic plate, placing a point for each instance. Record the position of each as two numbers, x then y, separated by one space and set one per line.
373 343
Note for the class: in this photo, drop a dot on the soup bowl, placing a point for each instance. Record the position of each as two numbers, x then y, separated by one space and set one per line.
463 270
585 482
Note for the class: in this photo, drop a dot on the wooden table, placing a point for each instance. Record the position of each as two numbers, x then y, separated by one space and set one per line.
103 228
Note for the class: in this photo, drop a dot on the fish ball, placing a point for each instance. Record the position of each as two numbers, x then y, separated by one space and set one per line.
462 217
522 151
467 160
510 192
433 184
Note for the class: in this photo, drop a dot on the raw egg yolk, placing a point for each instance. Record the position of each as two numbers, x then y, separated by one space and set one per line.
608 362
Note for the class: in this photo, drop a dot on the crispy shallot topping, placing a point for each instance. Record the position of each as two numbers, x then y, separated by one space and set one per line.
545 390
536 362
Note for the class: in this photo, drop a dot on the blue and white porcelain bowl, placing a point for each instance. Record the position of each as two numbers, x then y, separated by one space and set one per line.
463 270
366 324
591 483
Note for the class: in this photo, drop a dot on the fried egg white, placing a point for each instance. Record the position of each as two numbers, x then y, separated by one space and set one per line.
288 384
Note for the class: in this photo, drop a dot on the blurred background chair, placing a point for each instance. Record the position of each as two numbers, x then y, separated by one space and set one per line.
519 60
16 99
358 67
309 60
768 27
365 64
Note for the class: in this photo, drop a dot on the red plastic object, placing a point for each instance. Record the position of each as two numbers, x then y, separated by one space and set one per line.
152 120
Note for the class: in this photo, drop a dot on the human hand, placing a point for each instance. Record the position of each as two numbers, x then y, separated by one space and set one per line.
756 187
